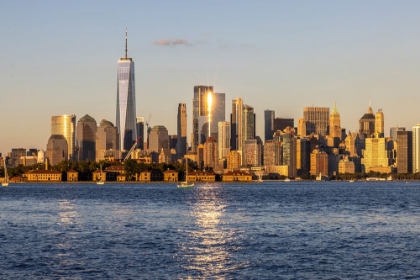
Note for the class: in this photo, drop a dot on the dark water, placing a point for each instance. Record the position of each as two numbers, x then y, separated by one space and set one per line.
294 230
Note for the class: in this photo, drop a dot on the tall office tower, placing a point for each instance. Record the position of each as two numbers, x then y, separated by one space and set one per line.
140 133
272 153
200 109
394 130
234 160
416 148
367 123
404 152
210 152
218 112
126 101
86 138
375 155
181 148
253 152
16 155
302 156
236 125
158 139
288 140
282 123
317 120
57 149
248 128
319 163
269 116
66 125
107 138
379 123
335 123
301 127
350 142
223 143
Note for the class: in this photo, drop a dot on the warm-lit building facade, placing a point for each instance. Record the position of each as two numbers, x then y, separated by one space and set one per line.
253 152
367 123
210 153
43 176
375 155
416 148
86 138
346 166
181 144
158 139
379 123
237 176
65 125
234 160
319 163
201 176
317 120
57 149
404 151
106 143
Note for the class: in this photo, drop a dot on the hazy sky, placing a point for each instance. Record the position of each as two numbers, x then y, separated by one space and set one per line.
60 57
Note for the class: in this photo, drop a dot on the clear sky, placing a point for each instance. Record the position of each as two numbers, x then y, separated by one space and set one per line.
60 57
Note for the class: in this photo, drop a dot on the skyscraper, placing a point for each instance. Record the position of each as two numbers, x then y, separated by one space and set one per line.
248 128
379 123
159 138
367 123
200 109
65 125
394 130
416 148
126 101
181 148
282 123
140 132
223 142
236 125
57 148
317 120
404 152
269 116
335 123
107 138
86 138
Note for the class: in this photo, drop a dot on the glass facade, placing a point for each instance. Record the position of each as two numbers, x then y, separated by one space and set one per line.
126 103
65 125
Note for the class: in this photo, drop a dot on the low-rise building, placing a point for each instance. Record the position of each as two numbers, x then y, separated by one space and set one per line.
72 176
201 176
170 176
43 176
237 176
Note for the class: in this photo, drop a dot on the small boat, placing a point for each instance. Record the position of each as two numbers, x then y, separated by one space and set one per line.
101 180
185 184
5 182
351 181
260 180
287 180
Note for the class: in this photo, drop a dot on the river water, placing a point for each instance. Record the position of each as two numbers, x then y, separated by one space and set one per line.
274 230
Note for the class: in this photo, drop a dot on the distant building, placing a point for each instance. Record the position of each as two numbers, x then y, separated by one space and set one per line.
393 131
253 152
302 127
379 123
182 145
282 123
86 138
416 148
65 125
140 133
346 166
335 127
269 116
404 152
210 153
248 128
319 163
43 176
234 160
236 125
57 149
158 138
302 156
272 153
16 154
367 123
106 143
317 120
200 109
223 142
375 156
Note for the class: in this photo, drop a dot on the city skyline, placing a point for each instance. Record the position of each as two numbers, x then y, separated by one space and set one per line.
290 56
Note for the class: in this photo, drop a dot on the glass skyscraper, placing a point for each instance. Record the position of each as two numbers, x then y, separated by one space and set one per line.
65 125
126 101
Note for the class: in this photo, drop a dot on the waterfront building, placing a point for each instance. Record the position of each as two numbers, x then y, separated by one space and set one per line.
404 151
65 125
126 101
201 176
181 145
140 132
158 139
272 153
416 148
346 166
72 176
253 152
288 140
170 176
393 131
302 156
269 116
86 138
367 123
106 143
317 120
43 176
57 149
234 160
237 176
200 109
375 155
319 163
210 153
379 123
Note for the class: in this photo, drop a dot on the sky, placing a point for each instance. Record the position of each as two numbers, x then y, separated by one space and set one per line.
60 57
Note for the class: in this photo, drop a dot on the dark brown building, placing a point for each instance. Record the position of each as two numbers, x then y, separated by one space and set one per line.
404 152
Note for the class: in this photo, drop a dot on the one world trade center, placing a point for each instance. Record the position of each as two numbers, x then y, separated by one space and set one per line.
126 101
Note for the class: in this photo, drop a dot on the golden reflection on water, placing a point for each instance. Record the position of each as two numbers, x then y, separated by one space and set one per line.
205 249
67 213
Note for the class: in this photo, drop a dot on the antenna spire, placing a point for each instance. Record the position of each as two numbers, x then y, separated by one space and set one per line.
126 37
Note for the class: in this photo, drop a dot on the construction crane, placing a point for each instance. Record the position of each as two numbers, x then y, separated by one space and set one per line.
132 149
147 130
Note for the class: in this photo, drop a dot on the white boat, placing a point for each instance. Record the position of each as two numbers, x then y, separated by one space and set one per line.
5 183
287 180
101 180
185 184
260 180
